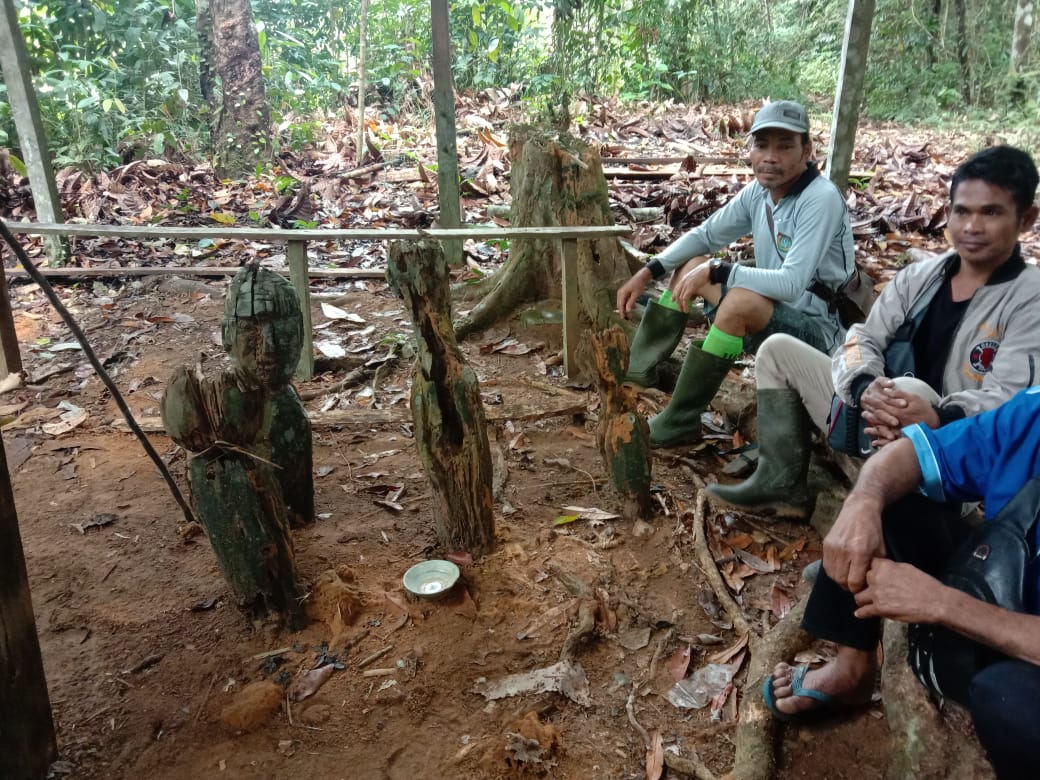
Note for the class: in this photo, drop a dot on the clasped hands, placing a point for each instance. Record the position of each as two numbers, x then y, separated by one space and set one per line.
853 556
887 410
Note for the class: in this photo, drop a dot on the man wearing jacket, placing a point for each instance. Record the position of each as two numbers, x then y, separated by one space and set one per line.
802 237
897 534
965 326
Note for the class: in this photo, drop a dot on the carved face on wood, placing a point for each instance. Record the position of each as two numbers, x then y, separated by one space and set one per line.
263 327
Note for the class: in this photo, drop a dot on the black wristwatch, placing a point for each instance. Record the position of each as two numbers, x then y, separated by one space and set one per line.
714 266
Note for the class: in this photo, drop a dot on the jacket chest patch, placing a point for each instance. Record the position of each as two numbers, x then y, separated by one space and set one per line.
783 241
982 355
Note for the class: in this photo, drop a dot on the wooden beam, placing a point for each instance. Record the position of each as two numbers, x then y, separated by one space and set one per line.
562 405
297 257
198 270
448 196
280 236
14 62
27 741
850 91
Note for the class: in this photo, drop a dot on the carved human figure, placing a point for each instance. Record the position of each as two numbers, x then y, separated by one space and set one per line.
250 472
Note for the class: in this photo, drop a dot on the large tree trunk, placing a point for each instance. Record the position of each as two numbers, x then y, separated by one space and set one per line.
450 428
241 135
556 181
1021 38
27 743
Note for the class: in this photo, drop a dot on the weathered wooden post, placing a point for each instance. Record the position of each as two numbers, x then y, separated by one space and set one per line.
450 429
623 434
251 473
27 742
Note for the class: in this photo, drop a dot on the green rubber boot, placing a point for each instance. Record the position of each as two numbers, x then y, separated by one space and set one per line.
659 333
779 485
699 380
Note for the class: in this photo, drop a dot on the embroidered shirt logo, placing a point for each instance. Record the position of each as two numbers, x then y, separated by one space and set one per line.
982 354
783 242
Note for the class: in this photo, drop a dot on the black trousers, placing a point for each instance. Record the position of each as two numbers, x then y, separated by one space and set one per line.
1004 697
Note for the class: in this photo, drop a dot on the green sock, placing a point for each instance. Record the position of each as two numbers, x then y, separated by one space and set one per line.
667 301
723 345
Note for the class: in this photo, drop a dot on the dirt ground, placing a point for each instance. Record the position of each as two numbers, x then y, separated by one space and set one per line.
144 650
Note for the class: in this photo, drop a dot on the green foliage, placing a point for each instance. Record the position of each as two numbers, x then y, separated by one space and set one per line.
119 79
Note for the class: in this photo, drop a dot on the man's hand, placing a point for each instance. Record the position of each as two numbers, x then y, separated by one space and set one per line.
690 286
899 591
629 293
887 410
854 541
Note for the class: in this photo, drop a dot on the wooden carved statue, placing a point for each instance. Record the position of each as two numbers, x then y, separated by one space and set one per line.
450 428
623 435
250 473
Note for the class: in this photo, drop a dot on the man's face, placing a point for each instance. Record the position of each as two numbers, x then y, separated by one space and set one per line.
984 223
778 158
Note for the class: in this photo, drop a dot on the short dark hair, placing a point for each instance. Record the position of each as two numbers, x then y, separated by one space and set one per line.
1006 167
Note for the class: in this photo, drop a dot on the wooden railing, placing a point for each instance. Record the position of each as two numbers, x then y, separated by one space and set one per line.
300 271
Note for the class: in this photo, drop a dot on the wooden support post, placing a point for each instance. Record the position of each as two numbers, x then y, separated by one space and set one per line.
444 120
10 357
850 91
27 741
571 306
14 62
297 257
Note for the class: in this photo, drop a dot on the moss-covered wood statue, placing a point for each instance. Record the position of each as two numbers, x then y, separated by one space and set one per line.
450 428
250 472
623 434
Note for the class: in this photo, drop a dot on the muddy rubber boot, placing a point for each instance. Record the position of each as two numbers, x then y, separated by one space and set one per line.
699 380
779 485
659 333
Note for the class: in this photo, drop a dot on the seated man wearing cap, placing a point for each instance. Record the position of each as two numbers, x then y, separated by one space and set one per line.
802 236
949 337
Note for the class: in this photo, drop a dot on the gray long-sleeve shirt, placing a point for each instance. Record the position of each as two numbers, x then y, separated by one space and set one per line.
811 238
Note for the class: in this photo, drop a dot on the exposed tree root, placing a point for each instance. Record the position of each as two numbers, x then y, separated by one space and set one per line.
926 744
755 757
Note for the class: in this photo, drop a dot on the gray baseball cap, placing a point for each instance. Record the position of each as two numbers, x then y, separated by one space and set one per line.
784 114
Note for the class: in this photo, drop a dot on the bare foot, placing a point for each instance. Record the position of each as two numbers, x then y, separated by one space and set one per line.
849 678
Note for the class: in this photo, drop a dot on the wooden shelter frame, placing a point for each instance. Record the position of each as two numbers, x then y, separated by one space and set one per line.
300 270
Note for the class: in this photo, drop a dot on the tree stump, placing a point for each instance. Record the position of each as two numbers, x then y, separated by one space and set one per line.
250 476
555 181
27 742
450 429
623 434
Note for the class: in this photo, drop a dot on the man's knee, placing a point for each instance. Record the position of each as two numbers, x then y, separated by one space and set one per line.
743 311
777 358
1005 708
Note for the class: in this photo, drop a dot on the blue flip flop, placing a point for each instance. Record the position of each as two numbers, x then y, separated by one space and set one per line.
825 699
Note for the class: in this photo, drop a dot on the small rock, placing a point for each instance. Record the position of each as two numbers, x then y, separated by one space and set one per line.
641 528
253 706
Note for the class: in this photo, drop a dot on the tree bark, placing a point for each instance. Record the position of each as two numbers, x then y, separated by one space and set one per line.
450 428
962 49
27 742
362 83
444 121
241 137
850 91
623 434
556 181
1021 39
